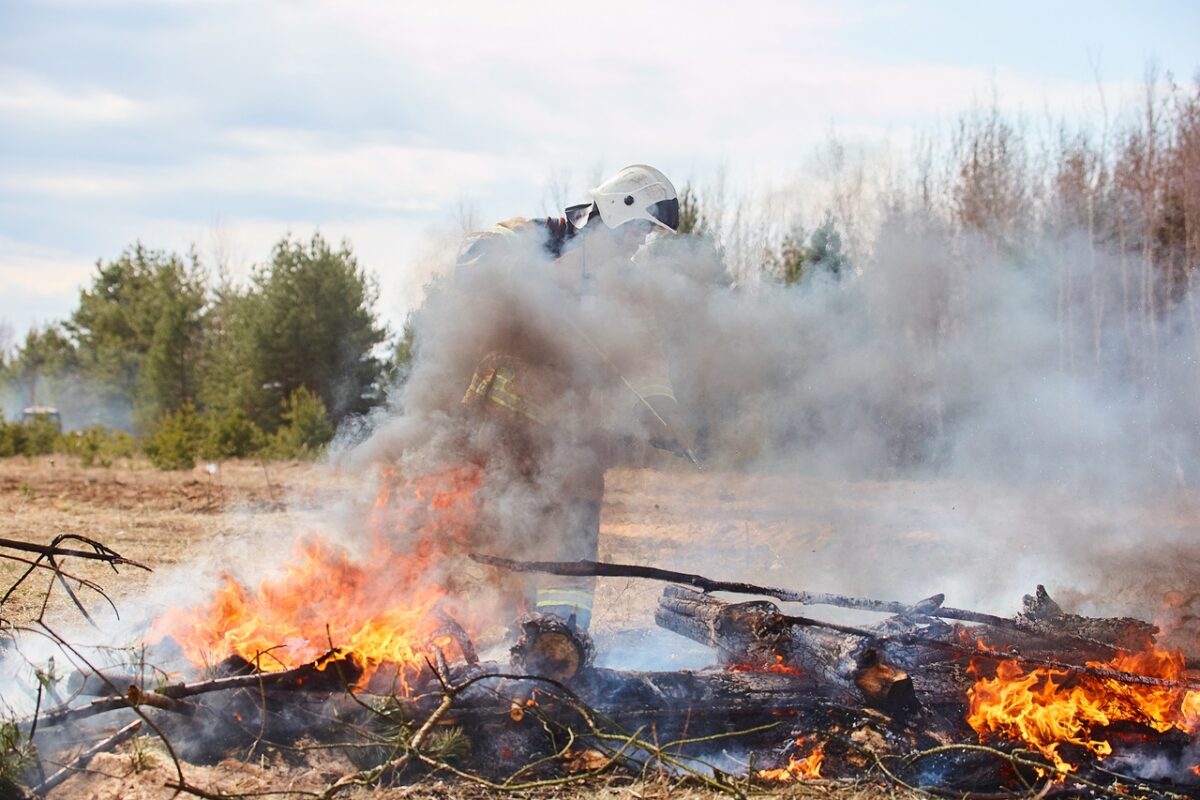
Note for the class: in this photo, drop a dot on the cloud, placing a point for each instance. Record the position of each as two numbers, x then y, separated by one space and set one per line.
129 119
32 102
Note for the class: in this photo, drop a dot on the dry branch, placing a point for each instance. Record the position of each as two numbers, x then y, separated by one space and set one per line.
83 758
329 673
100 553
929 607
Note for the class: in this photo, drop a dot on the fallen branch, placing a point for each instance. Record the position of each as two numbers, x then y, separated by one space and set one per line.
930 607
99 552
83 758
332 671
133 699
50 553
324 674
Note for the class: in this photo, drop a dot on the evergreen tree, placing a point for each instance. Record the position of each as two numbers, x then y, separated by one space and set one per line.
138 332
825 249
308 320
37 368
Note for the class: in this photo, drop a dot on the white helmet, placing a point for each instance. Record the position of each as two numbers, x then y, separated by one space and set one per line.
637 192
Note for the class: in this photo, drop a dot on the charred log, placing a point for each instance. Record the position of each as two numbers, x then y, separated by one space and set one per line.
741 633
837 660
1047 617
551 647
883 685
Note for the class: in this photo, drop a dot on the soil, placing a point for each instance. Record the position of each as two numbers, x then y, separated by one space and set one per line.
983 545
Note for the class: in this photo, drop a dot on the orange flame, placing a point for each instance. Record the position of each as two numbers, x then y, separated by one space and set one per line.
1047 708
377 608
797 769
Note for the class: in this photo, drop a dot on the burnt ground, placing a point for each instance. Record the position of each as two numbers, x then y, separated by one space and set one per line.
981 544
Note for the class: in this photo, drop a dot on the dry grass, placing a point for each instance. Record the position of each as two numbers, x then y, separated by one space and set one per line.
156 518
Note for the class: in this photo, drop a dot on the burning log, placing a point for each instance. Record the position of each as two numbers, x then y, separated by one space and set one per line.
757 637
449 627
1043 614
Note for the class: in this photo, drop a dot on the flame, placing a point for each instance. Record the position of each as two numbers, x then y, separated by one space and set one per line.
797 769
378 608
1047 708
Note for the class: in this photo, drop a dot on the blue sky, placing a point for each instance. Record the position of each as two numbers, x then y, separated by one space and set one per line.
225 125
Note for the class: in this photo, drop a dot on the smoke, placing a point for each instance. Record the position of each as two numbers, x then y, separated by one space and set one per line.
1006 416
81 401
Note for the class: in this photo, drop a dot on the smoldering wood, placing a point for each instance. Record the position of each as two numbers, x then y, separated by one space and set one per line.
693 711
1045 615
884 685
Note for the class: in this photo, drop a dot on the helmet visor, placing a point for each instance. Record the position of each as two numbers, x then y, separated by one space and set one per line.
666 213
579 215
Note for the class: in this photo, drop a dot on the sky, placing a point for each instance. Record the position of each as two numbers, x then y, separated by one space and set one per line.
224 126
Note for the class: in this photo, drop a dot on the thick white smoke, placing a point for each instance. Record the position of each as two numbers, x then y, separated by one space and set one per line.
1019 421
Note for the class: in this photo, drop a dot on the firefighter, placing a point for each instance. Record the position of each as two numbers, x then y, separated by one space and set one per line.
554 400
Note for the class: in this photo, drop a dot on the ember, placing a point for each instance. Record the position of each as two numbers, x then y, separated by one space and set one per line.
779 667
327 596
1047 707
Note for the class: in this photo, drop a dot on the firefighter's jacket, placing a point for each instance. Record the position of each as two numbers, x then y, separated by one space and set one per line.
561 368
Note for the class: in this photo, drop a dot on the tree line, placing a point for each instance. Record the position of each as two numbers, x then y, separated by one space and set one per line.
188 364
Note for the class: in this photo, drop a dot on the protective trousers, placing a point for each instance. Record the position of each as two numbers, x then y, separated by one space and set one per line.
578 521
